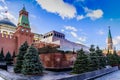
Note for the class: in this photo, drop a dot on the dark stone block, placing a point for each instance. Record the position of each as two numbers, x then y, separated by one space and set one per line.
91 75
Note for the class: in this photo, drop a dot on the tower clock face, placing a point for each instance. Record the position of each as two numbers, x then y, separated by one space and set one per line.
22 29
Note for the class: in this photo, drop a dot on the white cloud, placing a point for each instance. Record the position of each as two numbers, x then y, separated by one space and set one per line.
82 39
5 14
3 8
62 30
59 7
94 14
66 10
80 17
70 28
79 38
11 17
3 1
32 16
74 34
2 11
101 32
116 40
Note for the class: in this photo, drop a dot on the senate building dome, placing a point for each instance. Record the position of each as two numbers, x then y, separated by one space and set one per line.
6 21
7 27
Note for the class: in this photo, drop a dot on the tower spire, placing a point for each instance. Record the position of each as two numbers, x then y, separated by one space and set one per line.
109 33
24 7
109 43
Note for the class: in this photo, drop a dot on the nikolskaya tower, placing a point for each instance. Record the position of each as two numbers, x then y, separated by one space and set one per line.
110 47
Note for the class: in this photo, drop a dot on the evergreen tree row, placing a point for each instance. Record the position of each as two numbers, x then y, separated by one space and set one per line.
8 58
94 60
113 59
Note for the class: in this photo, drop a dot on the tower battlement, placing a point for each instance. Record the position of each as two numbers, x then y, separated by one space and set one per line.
6 36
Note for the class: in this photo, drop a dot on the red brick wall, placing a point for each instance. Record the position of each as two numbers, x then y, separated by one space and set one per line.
8 44
57 60
23 36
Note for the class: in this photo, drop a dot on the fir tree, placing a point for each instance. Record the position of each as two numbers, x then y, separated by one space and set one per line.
20 57
2 57
80 65
115 58
109 59
8 58
101 58
31 63
94 61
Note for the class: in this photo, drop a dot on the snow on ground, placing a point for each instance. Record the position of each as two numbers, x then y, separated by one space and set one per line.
49 75
1 78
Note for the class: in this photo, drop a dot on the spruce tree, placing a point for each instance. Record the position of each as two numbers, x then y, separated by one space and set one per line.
8 58
115 58
94 61
31 63
20 57
81 63
101 58
109 59
2 57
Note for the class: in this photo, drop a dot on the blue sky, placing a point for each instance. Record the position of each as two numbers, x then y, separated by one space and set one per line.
82 21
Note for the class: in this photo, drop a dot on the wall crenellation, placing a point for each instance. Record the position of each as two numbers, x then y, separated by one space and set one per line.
6 36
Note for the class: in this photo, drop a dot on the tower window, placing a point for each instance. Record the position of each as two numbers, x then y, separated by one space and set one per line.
55 34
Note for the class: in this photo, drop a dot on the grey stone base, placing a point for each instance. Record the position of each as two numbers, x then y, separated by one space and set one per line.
91 75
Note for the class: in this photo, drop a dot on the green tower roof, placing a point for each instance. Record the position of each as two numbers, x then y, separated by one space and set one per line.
109 33
23 19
